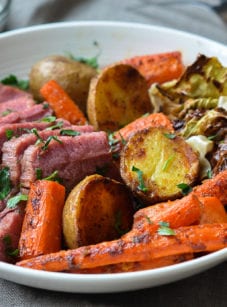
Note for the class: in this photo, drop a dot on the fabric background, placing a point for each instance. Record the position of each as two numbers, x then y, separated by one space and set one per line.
207 289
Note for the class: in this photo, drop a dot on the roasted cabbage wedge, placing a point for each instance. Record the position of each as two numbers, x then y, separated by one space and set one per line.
97 209
155 164
117 96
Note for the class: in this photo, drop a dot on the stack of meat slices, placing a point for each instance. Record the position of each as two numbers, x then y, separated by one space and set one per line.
29 144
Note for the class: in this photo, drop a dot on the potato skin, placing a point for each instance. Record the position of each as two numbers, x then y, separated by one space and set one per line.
73 76
117 96
97 209
164 163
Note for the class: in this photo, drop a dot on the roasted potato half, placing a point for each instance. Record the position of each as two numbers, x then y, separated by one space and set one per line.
72 75
97 209
117 96
154 162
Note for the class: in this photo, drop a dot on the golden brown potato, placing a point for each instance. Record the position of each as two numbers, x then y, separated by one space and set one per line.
154 162
73 76
97 209
117 96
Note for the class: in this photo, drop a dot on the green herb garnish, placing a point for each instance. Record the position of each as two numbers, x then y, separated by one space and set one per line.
170 136
5 183
209 174
69 132
48 119
53 177
8 249
14 81
6 112
57 126
167 163
185 188
9 134
165 230
13 201
141 186
148 220
49 139
39 173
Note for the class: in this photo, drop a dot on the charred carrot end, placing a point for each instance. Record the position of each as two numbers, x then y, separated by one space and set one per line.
158 67
212 211
151 120
216 186
41 230
61 103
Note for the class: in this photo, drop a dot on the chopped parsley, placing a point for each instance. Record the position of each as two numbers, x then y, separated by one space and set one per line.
141 186
39 173
170 136
6 112
209 174
14 81
69 132
48 119
14 201
165 230
93 61
5 183
148 220
9 134
185 188
8 248
167 163
53 177
49 139
58 125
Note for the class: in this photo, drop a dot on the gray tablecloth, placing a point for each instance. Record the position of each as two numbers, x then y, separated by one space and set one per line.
207 289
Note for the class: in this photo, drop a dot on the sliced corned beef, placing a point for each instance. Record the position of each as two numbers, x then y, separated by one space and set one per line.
10 228
18 129
16 105
13 150
35 112
73 158
8 92
11 118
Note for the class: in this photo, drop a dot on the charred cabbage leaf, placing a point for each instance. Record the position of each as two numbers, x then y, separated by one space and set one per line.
199 87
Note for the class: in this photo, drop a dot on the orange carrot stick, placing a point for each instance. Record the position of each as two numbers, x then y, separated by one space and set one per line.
212 211
181 212
151 120
135 266
140 247
41 230
216 186
158 68
61 103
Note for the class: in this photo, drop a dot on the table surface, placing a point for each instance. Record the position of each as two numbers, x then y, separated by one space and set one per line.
206 289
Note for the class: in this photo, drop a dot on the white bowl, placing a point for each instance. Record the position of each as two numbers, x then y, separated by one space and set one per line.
21 48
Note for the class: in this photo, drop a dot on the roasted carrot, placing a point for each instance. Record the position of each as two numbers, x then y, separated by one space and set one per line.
151 120
135 266
158 68
216 186
61 103
212 211
138 247
181 212
41 230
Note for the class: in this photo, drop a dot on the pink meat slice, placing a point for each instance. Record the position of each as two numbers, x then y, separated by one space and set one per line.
73 158
10 228
17 104
10 118
8 92
13 150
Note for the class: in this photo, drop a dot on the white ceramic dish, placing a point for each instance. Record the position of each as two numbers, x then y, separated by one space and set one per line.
19 49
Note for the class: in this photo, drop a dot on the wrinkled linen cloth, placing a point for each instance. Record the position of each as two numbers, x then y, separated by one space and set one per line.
206 289
191 16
